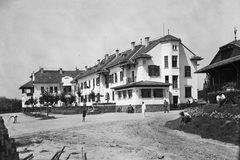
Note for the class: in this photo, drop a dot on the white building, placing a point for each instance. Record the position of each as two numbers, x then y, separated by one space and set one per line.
150 72
55 81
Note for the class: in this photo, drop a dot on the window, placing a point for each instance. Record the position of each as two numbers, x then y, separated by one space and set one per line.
187 71
121 76
82 85
153 70
174 47
130 93
85 84
55 89
116 78
146 93
51 89
89 84
119 94
188 92
175 81
124 94
97 81
42 90
111 78
113 95
174 61
133 77
166 79
166 61
157 92
93 83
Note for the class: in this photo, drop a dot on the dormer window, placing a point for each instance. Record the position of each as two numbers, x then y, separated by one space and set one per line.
174 47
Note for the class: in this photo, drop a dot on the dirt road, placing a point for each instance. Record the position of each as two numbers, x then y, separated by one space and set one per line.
114 136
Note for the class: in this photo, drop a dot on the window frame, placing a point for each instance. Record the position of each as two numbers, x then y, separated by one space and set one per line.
174 61
158 93
188 93
175 82
187 71
146 93
166 61
153 70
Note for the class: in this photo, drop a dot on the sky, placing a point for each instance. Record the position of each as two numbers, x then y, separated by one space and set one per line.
67 34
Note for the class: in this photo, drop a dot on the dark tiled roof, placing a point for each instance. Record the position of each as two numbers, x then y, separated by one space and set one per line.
169 38
96 68
27 85
217 64
54 76
142 84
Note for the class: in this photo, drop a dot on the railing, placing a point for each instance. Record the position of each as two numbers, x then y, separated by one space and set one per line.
218 87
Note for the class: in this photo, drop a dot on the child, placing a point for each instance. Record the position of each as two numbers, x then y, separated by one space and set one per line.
186 117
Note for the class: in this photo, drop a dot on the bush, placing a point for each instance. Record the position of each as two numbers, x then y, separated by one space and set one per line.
232 96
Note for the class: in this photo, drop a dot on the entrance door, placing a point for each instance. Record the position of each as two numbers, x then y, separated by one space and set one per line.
175 102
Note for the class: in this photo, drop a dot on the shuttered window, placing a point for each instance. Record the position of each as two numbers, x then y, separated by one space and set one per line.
153 70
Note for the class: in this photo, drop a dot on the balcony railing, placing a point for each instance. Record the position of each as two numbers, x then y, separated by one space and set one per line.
219 87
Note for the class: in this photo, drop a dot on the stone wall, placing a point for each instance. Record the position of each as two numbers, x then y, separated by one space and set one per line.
7 145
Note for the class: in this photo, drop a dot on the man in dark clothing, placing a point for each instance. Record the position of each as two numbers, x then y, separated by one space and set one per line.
84 111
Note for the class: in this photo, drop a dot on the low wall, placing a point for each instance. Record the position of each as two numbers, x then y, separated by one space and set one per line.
106 108
138 108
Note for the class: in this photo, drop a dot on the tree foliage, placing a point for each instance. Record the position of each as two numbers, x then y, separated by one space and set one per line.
8 105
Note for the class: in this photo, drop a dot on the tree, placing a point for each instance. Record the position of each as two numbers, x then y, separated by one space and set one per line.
206 89
67 98
47 99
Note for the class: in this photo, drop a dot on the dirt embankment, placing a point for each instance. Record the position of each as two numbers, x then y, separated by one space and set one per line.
141 139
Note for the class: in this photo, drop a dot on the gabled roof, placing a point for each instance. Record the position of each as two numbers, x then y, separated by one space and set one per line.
218 64
28 85
54 76
142 84
232 48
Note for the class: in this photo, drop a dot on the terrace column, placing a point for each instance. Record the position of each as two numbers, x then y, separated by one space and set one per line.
237 73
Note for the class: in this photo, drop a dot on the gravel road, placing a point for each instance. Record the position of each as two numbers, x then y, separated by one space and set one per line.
113 136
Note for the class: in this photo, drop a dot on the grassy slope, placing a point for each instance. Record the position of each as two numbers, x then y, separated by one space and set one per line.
208 127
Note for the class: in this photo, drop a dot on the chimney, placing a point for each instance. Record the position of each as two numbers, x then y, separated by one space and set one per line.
146 41
117 52
60 70
76 69
41 69
132 45
98 61
86 68
106 57
33 76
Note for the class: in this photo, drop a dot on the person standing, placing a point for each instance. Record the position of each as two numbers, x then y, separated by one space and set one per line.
84 111
143 109
166 106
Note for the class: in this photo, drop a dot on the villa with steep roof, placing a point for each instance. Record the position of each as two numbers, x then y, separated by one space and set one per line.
151 72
